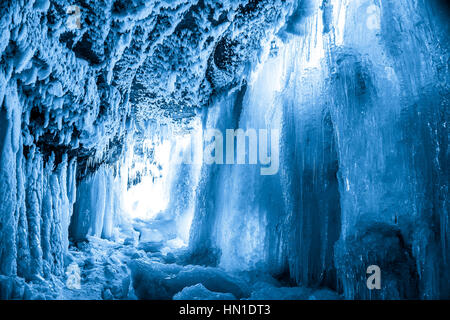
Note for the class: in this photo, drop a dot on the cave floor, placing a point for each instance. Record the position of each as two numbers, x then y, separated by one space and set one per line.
142 268
146 261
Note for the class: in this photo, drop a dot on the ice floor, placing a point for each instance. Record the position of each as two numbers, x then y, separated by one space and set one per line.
107 270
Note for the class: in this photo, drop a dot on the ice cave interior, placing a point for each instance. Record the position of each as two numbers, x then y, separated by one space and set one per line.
116 180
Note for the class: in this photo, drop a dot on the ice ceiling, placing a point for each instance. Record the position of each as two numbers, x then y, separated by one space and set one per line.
98 99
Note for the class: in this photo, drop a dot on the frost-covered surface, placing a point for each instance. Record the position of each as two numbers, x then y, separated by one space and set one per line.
71 97
359 90
128 64
199 292
155 280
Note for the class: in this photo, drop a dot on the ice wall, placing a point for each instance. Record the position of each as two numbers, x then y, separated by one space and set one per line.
100 209
359 90
286 223
77 85
36 199
388 102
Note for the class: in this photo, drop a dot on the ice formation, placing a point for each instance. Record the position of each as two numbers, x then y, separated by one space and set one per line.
102 102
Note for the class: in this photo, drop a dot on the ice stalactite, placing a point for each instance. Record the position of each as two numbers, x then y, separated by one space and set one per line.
201 243
10 118
284 223
363 146
34 167
49 198
309 164
36 200
66 116
99 212
388 115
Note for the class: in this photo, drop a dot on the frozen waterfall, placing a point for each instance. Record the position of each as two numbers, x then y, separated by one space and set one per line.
237 150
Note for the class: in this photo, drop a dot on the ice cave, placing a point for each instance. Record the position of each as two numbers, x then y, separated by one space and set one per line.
222 150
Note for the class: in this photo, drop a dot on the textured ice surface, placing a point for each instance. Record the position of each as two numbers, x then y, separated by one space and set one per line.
267 292
154 280
199 292
359 90
361 97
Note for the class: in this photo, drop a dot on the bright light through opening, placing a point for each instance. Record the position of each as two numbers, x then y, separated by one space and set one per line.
160 166
152 195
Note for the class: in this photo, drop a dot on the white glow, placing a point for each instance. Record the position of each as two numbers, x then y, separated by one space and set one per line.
162 164
339 17
148 198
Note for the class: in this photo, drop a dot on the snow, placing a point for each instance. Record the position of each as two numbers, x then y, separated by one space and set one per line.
155 280
106 193
199 292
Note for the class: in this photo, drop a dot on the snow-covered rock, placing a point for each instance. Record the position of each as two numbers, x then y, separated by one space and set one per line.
199 292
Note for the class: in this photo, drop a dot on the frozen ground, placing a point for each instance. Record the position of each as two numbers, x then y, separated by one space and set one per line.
122 271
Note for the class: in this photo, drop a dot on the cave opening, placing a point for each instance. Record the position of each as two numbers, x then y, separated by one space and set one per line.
162 175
